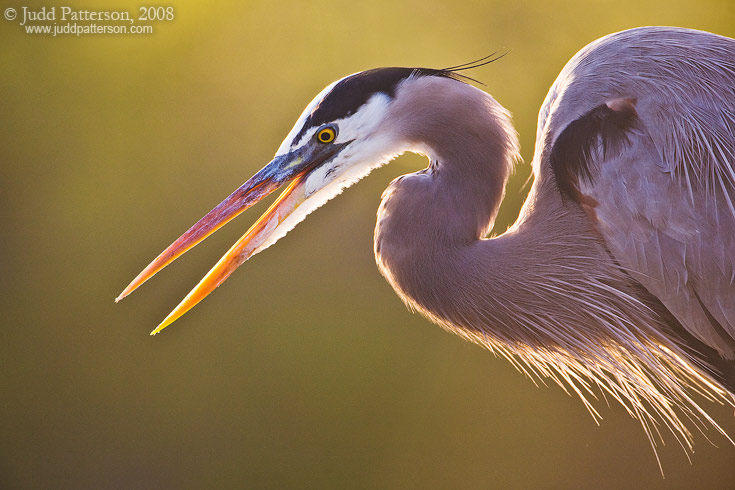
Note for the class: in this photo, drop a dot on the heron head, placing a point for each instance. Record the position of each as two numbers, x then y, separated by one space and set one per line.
344 133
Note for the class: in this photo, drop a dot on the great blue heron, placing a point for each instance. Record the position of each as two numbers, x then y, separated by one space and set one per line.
620 270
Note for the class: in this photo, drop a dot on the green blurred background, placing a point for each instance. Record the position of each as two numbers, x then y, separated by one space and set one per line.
304 370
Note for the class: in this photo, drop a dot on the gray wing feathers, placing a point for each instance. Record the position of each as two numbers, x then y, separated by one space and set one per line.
672 245
665 202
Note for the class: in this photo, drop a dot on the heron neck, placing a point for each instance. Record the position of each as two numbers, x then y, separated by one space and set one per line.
472 146
491 288
430 236
431 223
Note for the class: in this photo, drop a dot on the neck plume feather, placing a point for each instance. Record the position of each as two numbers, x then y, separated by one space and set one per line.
545 294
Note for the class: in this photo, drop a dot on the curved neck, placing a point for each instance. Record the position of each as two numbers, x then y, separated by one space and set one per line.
428 219
472 146
430 245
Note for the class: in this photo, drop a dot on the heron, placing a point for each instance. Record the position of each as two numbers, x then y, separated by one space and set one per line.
618 277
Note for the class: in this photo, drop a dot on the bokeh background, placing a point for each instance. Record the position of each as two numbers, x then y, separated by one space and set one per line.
304 370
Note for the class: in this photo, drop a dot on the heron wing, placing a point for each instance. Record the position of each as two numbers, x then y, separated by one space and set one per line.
653 164
661 188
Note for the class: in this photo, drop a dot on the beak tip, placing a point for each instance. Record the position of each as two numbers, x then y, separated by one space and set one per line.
129 289
172 317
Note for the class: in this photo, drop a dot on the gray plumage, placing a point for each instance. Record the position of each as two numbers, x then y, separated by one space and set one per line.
619 274
628 282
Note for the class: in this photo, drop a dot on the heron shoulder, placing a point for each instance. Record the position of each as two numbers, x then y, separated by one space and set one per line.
658 66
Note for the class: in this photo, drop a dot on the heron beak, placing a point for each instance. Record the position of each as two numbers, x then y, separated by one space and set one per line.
293 167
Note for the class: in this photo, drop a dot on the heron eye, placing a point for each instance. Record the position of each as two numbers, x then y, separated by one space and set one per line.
326 135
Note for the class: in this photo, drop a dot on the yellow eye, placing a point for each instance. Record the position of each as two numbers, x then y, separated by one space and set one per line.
326 135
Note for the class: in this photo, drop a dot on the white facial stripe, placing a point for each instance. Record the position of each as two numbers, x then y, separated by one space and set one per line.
288 141
365 120
352 127
306 137
349 128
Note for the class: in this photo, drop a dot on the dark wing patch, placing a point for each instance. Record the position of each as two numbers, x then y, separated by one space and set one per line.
603 131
